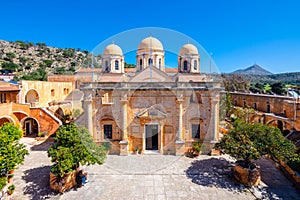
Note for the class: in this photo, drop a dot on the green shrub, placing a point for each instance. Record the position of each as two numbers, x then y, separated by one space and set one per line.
11 187
74 145
3 182
197 146
294 163
12 152
250 141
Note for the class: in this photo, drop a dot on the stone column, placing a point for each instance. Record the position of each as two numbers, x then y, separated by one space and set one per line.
179 143
215 120
180 124
124 142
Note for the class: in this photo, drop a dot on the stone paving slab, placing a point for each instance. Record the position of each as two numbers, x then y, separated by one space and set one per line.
148 177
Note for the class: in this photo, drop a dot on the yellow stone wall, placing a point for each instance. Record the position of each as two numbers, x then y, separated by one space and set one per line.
47 91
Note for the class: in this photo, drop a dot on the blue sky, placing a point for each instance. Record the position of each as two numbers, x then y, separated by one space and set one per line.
238 33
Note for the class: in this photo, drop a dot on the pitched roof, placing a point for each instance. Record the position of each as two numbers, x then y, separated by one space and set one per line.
148 75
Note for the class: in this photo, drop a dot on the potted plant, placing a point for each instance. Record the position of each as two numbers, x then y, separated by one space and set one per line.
136 150
74 144
247 142
11 189
197 148
10 178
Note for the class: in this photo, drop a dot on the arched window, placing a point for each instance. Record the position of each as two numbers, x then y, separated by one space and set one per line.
195 65
268 108
159 63
106 66
150 61
141 63
185 67
116 65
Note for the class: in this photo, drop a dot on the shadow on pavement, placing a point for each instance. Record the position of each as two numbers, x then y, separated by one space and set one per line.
37 183
44 146
213 172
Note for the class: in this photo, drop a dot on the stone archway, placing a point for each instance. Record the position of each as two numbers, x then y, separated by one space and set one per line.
59 113
32 96
30 126
6 119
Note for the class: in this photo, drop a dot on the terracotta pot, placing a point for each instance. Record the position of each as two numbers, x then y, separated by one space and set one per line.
11 171
10 192
10 179
247 176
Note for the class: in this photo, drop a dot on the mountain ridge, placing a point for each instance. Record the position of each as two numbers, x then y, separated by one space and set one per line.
253 70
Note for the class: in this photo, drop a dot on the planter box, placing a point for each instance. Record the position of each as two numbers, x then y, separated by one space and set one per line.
249 177
63 184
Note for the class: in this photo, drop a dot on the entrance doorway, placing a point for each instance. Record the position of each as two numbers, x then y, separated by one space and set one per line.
151 136
31 127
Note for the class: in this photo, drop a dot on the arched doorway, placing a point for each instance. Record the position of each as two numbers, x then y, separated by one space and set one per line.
30 126
32 96
6 120
59 113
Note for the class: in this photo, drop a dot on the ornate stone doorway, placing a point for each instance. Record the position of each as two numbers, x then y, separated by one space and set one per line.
151 133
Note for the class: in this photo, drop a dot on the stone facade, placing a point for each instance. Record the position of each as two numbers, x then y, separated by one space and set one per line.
152 110
280 111
27 105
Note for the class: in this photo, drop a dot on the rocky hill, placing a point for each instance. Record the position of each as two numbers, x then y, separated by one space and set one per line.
35 61
253 70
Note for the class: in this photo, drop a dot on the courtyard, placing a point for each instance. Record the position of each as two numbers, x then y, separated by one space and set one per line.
149 177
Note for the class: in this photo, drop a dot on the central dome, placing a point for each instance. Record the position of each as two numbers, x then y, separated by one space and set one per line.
188 49
151 42
113 49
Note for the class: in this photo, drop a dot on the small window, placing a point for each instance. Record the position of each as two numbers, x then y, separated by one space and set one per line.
185 67
245 104
235 102
195 65
196 98
150 61
116 65
255 105
159 63
107 131
107 98
268 107
106 66
195 130
52 93
3 97
141 63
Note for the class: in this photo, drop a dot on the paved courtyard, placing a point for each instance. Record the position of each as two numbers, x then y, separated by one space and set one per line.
149 177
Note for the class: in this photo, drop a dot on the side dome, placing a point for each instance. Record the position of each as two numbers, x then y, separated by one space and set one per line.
113 49
151 42
188 49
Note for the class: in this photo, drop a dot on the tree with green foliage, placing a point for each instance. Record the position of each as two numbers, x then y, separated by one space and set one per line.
251 141
278 88
12 153
48 63
226 108
127 65
267 89
10 56
69 53
10 66
39 75
74 145
59 70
